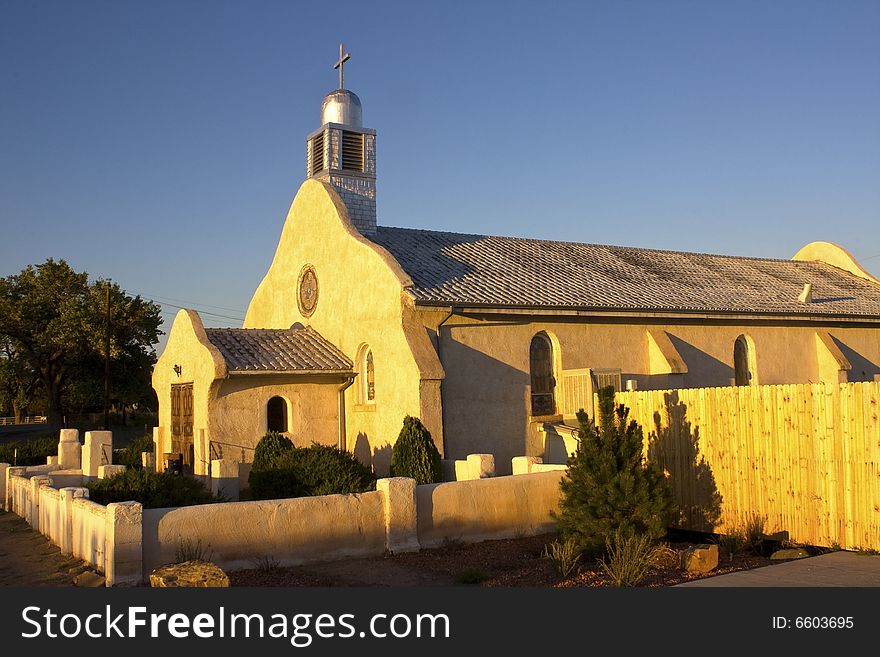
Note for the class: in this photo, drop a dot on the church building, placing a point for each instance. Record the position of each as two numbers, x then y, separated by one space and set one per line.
494 342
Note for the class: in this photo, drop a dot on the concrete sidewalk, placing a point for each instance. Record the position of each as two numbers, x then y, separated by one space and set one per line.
832 569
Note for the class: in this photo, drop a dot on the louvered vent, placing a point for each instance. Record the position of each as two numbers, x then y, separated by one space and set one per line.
318 153
605 378
352 151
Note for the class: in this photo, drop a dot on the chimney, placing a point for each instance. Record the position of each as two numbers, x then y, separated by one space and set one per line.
807 295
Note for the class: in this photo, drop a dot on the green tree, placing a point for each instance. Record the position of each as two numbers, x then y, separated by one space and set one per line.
18 382
609 486
414 453
54 318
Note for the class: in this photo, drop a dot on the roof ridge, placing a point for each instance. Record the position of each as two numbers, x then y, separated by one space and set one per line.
596 244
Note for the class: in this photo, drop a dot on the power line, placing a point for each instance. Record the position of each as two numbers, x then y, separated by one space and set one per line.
206 305
201 312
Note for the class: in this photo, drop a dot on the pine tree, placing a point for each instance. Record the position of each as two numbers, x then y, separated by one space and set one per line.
609 485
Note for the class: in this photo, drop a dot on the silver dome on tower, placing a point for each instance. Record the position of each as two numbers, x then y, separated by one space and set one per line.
343 153
342 106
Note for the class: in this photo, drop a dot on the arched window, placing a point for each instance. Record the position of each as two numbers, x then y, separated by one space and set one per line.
276 415
743 361
369 377
366 390
541 373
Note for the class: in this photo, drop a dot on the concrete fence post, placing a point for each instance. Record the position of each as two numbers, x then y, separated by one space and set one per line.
34 517
401 519
67 496
148 461
481 466
224 479
523 464
69 450
4 469
105 471
157 449
97 451
123 544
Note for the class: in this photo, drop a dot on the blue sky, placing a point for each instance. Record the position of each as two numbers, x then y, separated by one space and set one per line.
161 143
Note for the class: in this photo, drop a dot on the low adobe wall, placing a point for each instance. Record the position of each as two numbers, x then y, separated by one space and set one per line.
484 509
294 531
126 542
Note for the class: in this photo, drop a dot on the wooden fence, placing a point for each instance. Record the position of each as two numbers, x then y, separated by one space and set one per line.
29 419
806 457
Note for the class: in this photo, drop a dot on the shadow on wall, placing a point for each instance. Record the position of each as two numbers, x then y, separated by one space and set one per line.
676 447
484 403
379 459
704 371
862 368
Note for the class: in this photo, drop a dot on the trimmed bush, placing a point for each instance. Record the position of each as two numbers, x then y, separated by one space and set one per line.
270 448
155 490
307 471
30 452
414 454
130 456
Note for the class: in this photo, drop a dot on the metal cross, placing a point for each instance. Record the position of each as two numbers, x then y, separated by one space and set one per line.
343 57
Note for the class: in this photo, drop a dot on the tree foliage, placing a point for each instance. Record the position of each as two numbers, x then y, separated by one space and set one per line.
53 320
610 489
415 455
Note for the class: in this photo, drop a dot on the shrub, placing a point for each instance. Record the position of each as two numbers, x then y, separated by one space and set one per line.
314 470
564 556
30 452
154 490
609 486
189 550
629 558
414 454
269 449
130 456
744 539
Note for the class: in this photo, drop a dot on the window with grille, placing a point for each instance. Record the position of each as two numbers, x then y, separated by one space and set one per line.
742 373
318 153
352 151
541 374
370 378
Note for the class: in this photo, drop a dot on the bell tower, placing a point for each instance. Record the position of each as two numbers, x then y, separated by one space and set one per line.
343 153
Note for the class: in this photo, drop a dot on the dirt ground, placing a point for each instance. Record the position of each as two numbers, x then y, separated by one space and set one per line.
512 562
28 559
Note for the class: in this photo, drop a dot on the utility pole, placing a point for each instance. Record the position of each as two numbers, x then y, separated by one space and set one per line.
107 363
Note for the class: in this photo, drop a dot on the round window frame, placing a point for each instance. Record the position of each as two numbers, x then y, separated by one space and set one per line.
300 303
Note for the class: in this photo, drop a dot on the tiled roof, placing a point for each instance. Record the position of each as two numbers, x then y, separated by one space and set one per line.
277 350
453 268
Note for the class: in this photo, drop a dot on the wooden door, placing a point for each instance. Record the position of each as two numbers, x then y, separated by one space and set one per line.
182 423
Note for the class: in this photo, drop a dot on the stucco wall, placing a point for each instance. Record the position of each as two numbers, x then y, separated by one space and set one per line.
487 387
201 364
360 301
292 532
88 531
485 509
52 517
238 412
